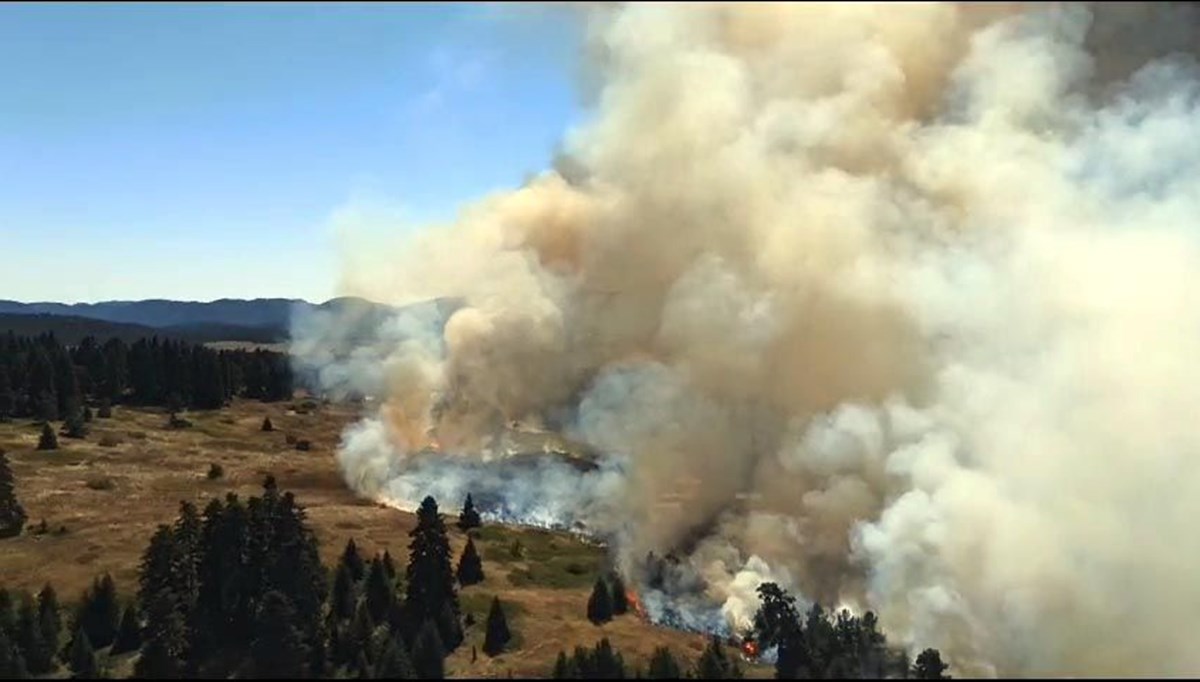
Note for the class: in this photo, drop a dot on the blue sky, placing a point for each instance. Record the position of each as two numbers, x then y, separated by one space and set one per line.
199 151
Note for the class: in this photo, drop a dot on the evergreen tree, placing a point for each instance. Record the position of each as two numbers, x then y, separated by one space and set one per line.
929 666
379 592
278 651
353 561
82 659
715 665
606 663
49 617
99 613
8 401
129 635
599 606
498 635
88 416
620 600
360 642
563 670
394 663
663 666
164 639
389 565
469 518
343 598
428 654
430 579
449 627
74 426
12 664
8 613
105 411
47 441
470 566
38 654
267 425
12 514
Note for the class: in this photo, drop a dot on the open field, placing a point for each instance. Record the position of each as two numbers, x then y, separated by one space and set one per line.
110 497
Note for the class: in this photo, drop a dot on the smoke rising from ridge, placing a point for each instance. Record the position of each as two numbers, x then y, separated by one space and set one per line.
896 305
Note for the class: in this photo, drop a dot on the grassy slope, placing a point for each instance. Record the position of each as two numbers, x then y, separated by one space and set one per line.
544 584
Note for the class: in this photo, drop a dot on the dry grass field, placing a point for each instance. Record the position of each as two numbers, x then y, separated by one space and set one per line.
112 489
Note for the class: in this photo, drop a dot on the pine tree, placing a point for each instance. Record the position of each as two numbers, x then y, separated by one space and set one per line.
12 514
715 665
39 656
379 592
498 635
49 617
75 426
88 416
663 666
99 613
353 561
47 441
129 635
599 606
82 659
343 598
607 664
12 664
360 641
105 411
428 654
389 565
429 575
164 639
394 663
267 425
470 566
563 670
620 600
278 651
929 666
469 518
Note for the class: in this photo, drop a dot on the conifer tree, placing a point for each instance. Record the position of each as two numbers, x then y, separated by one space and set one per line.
82 658
607 664
12 664
343 598
498 634
129 635
12 514
379 592
278 651
99 613
394 663
430 579
663 666
599 606
469 517
39 656
88 416
389 565
267 425
105 411
620 601
74 425
353 561
49 617
47 441
470 566
428 654
929 666
563 670
360 641
715 665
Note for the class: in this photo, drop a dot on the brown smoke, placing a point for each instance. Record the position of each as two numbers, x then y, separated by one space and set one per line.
903 299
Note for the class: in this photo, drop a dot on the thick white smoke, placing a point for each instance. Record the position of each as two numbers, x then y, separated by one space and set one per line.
896 305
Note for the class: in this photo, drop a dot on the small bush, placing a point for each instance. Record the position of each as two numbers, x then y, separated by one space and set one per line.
105 411
137 435
303 445
215 471
101 483
267 425
177 422
48 440
109 440
290 439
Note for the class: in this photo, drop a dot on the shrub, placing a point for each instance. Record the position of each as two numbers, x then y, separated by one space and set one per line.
100 483
177 422
109 440
105 411
290 439
303 445
215 471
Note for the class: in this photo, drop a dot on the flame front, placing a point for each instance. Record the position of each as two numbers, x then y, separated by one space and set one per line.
750 649
635 604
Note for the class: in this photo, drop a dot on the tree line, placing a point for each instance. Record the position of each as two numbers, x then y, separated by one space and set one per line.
43 379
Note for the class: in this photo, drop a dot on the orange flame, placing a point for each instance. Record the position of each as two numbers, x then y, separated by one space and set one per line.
435 445
634 603
750 648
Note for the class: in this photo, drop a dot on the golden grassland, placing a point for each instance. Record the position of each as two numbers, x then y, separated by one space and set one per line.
113 488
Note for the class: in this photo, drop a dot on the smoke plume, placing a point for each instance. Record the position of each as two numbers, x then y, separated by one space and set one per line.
895 305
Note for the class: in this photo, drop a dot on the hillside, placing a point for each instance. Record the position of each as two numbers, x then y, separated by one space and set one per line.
70 329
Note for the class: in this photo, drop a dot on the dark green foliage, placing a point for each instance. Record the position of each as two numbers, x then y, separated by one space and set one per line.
598 663
430 580
428 654
468 518
563 670
99 613
75 426
49 617
343 597
449 627
215 471
714 664
470 566
105 411
379 592
599 605
353 561
164 640
360 641
929 666
267 425
620 601
82 658
88 416
498 635
394 663
278 651
38 654
12 664
12 514
47 441
663 666
129 635
389 565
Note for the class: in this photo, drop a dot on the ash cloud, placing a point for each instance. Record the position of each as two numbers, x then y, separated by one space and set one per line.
896 305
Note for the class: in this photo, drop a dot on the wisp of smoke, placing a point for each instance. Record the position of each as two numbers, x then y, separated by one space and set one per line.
898 306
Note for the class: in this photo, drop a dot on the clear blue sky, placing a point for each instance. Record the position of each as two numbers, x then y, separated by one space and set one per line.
198 151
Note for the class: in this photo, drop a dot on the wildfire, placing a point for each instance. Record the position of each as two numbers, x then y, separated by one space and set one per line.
634 603
435 445
750 649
